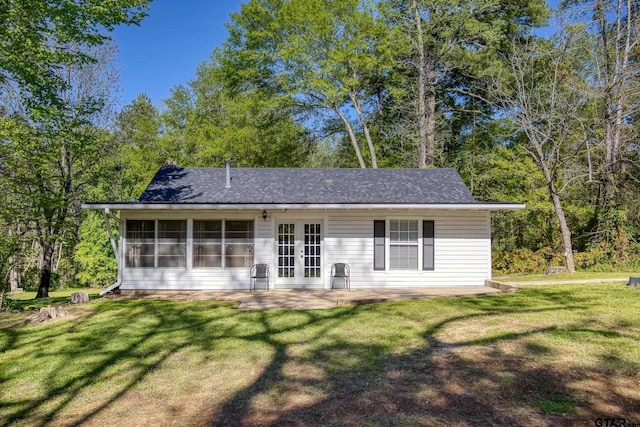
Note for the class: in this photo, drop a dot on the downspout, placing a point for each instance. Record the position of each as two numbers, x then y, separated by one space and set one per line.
106 214
228 170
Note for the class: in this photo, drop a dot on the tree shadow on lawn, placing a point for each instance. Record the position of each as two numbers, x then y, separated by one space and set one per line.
310 369
495 380
121 347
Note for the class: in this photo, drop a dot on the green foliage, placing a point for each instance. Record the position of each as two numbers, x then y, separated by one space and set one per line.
326 58
207 124
139 153
518 261
36 35
94 255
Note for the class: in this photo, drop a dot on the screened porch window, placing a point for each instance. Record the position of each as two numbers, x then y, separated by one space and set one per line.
238 243
140 250
403 244
207 243
172 243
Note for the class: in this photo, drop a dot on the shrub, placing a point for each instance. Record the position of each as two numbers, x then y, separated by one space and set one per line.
519 261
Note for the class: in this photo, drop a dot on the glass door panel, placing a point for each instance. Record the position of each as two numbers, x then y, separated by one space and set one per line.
286 250
299 253
312 263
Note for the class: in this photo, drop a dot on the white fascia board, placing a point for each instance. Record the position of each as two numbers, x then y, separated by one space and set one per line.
263 206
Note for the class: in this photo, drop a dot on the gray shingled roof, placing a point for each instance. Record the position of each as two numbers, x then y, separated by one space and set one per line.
174 184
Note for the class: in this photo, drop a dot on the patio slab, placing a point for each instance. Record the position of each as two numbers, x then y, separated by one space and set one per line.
312 299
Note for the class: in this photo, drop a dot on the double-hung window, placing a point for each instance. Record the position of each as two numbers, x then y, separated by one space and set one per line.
404 245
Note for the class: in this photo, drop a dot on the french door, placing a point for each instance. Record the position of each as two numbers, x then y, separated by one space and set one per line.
298 252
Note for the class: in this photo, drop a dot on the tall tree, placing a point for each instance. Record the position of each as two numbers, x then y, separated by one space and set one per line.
613 28
35 37
206 123
542 95
445 48
326 57
47 161
47 143
139 154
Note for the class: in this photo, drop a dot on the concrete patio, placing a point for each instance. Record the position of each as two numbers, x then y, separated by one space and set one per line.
310 299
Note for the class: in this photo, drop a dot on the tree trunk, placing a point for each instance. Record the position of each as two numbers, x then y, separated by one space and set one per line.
557 207
426 105
618 41
45 270
365 128
430 130
564 229
352 137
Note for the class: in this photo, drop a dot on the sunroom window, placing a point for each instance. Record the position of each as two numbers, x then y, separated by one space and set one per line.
207 243
238 243
216 243
172 243
140 249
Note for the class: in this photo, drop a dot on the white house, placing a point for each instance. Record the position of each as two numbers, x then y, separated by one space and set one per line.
204 228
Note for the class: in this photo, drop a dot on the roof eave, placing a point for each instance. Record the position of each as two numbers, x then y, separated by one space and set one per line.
329 206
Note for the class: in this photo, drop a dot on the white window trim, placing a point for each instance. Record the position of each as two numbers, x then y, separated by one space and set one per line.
387 244
125 245
189 243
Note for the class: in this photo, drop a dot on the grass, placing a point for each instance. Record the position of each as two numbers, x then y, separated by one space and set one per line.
579 275
27 301
543 355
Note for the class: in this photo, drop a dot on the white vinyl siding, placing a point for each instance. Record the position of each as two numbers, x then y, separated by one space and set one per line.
462 254
461 242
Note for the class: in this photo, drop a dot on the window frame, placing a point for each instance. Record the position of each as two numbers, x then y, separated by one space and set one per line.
189 242
182 241
421 242
129 243
193 245
252 243
400 243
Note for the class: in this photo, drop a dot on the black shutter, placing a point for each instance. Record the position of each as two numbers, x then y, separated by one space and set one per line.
378 245
427 245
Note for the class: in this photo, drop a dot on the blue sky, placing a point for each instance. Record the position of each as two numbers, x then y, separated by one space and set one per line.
171 42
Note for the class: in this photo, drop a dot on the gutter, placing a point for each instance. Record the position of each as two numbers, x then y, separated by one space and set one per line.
114 246
112 287
263 206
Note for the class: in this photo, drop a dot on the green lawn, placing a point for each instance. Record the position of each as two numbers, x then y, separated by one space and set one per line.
579 275
27 301
541 356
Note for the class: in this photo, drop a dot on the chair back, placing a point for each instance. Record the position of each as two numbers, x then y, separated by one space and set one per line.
261 271
341 270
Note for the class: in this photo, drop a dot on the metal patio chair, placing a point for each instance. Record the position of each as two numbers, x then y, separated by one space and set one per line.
342 271
259 273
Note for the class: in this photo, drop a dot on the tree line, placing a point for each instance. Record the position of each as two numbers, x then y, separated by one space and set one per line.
529 104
